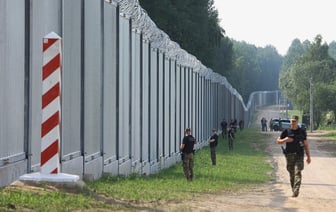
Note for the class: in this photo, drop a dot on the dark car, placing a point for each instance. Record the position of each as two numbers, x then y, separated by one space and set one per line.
284 124
280 124
275 124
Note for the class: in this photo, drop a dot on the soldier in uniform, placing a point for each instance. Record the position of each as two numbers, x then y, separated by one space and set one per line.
295 139
224 128
187 149
231 137
213 144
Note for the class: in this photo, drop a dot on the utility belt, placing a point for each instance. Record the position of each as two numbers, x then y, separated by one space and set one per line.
284 151
291 153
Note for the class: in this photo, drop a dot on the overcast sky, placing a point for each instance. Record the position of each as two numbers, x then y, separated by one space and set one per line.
277 22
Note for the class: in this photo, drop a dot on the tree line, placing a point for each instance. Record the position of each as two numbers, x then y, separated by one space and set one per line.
309 64
194 24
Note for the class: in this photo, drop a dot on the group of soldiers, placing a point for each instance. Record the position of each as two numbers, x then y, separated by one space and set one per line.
294 138
233 125
188 142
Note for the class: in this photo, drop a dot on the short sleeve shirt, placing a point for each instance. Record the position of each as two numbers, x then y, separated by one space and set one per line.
298 135
188 142
214 144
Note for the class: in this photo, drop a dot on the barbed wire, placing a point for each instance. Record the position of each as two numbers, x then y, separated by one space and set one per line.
158 39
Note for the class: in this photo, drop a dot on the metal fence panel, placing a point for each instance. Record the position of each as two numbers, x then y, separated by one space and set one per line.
183 97
124 89
145 102
72 80
110 84
226 104
179 131
166 106
197 107
12 79
136 94
188 97
160 97
172 110
153 105
206 108
92 116
193 102
202 91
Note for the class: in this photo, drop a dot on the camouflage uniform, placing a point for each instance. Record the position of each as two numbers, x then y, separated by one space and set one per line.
294 167
188 165
294 156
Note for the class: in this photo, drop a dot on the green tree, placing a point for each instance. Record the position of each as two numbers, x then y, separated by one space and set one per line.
193 24
269 62
315 65
286 78
254 69
245 73
295 50
223 60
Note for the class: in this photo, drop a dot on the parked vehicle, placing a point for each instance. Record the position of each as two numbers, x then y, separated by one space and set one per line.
284 124
281 124
276 123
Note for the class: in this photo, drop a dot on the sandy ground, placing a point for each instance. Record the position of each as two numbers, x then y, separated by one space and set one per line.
318 189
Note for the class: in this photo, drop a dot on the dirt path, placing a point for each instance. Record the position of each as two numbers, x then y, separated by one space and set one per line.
318 189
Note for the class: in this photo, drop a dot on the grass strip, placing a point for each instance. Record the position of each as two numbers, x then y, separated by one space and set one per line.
244 167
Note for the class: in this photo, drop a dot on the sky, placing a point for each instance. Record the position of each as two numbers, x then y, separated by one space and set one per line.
277 22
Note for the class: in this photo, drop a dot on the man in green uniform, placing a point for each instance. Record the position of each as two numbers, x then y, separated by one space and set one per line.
295 139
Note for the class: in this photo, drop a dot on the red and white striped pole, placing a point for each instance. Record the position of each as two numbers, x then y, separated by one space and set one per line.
51 104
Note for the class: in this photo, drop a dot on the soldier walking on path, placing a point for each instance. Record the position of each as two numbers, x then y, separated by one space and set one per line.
295 139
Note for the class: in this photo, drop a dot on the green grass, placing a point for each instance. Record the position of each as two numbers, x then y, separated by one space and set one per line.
46 201
243 168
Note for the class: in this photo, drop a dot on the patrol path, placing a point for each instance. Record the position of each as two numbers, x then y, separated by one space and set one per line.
318 189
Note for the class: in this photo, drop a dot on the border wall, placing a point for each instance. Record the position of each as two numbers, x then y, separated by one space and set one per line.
128 91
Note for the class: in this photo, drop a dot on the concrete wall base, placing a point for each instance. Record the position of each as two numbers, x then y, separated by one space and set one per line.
145 169
93 170
12 172
169 162
112 168
136 167
73 166
154 167
125 168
